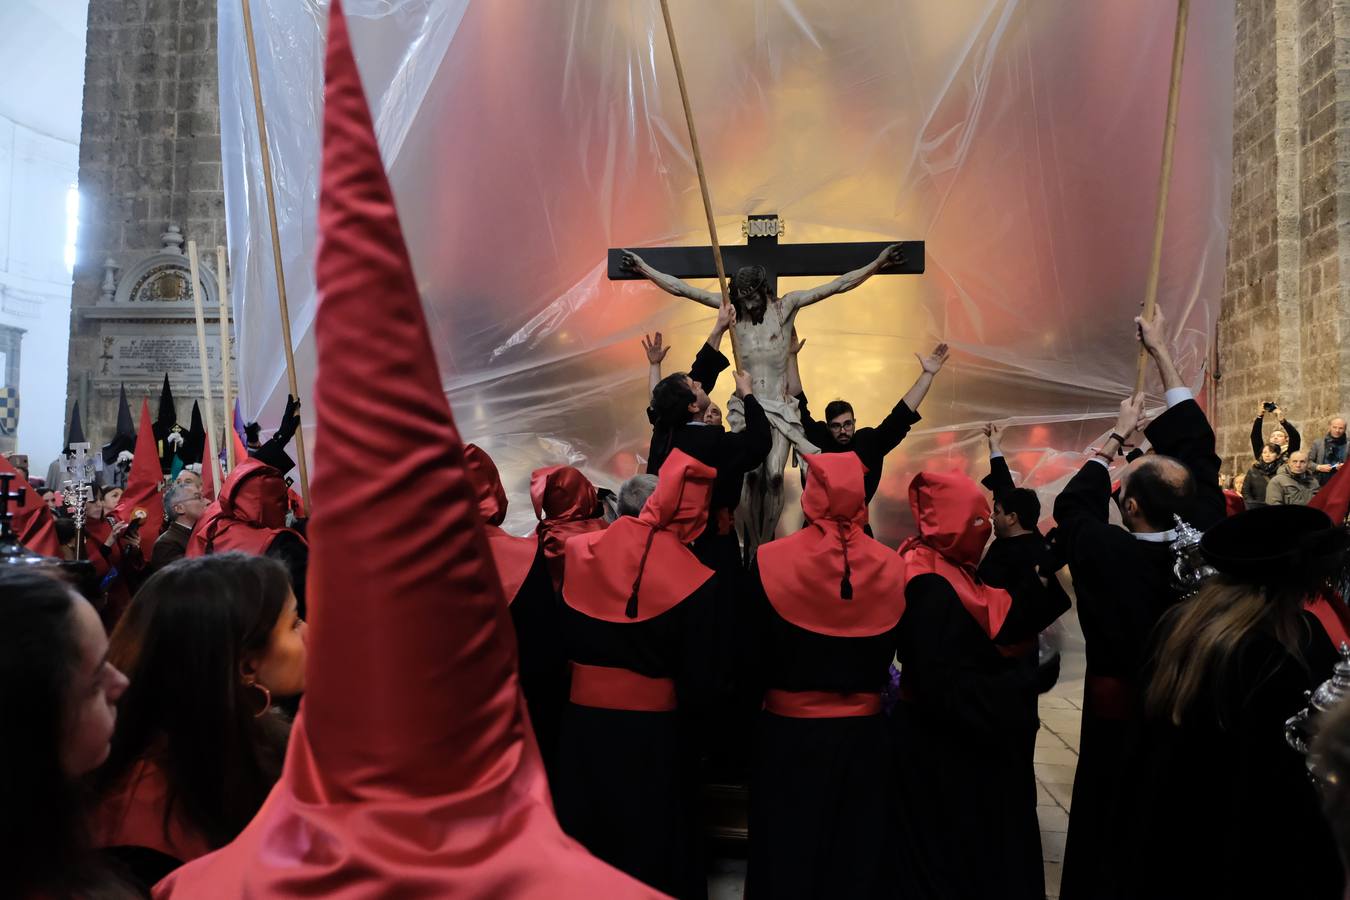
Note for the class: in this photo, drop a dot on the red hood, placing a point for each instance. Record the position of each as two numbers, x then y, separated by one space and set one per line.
562 494
639 567
487 484
1334 497
255 493
679 505
830 577
952 515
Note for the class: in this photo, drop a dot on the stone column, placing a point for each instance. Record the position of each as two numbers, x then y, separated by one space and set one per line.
149 156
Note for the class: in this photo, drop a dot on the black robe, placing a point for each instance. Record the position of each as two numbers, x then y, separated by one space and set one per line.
822 790
1222 806
543 666
626 785
871 444
964 734
1123 585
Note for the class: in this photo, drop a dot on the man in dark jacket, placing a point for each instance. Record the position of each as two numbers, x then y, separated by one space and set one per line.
1327 454
1123 580
1294 485
185 506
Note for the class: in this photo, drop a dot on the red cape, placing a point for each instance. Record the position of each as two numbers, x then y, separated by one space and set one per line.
953 518
1334 496
807 575
247 516
638 568
513 556
412 770
566 503
33 523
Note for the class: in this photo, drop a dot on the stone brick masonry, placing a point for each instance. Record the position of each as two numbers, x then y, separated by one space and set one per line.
1283 328
149 153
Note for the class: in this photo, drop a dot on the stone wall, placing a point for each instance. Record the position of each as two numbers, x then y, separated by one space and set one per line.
1283 327
149 157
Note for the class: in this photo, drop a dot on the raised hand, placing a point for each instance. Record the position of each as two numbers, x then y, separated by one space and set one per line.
656 351
1153 333
795 345
994 432
1131 412
894 255
744 383
726 316
631 261
932 364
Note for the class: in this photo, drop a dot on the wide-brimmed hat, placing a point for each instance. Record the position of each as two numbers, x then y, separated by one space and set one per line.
1275 545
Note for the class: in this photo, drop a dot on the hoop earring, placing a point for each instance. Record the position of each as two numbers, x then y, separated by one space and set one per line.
267 697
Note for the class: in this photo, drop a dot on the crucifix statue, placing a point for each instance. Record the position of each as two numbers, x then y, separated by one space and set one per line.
764 323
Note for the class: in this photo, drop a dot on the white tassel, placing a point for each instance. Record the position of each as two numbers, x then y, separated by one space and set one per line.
125 457
175 439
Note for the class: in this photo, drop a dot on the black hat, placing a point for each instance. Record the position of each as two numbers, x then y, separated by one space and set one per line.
1275 545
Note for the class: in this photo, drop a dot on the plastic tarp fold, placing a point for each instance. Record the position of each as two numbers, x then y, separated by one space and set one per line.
1020 140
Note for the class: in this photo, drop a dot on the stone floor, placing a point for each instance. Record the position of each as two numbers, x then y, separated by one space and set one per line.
1056 759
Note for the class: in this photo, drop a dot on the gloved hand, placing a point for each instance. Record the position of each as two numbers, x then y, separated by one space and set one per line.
290 421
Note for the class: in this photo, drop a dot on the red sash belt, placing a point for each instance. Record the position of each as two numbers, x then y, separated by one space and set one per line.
724 520
1017 651
1107 697
821 704
606 687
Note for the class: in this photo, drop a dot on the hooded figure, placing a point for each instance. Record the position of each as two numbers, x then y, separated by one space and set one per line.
249 516
965 724
640 631
123 442
825 603
566 504
412 770
534 607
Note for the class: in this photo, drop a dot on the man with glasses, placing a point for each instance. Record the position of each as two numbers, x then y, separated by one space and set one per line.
839 433
185 505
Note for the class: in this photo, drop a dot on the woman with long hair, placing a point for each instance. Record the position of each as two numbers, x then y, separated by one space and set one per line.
1219 804
212 643
59 694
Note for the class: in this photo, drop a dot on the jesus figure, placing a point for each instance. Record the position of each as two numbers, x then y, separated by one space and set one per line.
763 331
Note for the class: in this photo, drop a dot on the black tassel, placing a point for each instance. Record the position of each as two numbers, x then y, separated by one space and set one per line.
631 610
846 583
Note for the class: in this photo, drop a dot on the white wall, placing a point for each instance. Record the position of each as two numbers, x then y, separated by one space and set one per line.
41 98
36 174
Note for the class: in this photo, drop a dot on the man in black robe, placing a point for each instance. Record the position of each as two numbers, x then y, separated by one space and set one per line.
1123 581
839 432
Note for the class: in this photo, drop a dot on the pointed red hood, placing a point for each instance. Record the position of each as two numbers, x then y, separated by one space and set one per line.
512 555
487 484
952 515
639 567
566 504
830 577
33 523
411 769
246 516
142 497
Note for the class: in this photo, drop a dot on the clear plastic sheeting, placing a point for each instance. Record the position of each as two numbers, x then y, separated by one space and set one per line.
1020 140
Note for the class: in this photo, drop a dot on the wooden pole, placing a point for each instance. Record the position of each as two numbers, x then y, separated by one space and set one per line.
195 271
1164 179
698 165
276 244
223 293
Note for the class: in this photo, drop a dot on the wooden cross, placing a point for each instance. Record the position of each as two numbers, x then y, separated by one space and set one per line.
762 249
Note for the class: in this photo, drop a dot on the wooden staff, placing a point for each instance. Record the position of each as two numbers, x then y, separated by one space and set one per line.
1164 178
201 354
224 298
276 244
698 165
